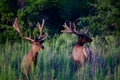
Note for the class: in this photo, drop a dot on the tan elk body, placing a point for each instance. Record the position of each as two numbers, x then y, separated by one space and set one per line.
80 53
31 57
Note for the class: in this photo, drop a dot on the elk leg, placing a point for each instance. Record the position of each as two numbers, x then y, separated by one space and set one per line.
74 66
83 73
25 77
27 73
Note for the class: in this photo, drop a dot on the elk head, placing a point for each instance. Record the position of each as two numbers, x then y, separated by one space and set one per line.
31 57
36 43
82 37
80 53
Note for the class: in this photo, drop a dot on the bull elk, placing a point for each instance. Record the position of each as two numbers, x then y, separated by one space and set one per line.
80 53
31 57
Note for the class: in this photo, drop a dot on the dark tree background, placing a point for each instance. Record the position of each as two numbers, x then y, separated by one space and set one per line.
101 17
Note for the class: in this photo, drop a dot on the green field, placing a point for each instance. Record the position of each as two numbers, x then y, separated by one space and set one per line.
55 62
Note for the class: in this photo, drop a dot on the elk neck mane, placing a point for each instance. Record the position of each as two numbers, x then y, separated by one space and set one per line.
33 53
79 42
34 56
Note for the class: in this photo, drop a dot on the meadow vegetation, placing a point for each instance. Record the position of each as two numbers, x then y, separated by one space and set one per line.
55 62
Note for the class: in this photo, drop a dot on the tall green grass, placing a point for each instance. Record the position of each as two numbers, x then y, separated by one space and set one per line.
55 62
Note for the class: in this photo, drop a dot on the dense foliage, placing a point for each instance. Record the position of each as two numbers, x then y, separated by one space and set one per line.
100 16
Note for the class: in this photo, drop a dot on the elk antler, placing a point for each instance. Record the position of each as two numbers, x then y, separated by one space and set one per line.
68 29
41 36
72 29
85 31
17 28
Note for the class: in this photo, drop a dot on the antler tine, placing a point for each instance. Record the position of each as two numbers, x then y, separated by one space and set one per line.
38 24
15 25
65 25
41 27
68 28
85 31
75 29
17 28
43 22
42 37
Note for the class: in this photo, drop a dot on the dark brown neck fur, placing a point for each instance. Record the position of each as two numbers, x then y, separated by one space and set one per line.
79 42
35 59
34 56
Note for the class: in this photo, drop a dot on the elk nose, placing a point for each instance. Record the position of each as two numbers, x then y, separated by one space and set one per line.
42 47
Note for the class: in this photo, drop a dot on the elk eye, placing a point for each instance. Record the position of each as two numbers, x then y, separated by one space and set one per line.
38 44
